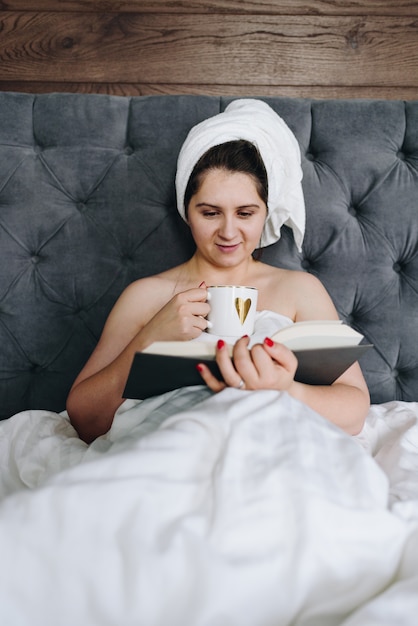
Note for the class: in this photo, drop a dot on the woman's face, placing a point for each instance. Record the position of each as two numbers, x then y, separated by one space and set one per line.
226 217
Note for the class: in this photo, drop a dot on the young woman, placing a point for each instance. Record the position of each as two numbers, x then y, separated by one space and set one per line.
225 203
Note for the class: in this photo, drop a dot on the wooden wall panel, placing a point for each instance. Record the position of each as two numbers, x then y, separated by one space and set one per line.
258 47
240 7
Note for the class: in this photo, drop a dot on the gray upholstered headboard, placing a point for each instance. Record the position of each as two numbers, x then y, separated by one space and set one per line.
87 205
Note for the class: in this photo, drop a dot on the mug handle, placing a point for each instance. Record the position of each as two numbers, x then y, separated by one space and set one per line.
208 298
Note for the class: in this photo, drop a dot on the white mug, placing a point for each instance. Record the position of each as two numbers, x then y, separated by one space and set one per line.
232 310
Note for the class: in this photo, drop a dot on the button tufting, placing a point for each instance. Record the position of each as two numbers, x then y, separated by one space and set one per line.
127 258
359 216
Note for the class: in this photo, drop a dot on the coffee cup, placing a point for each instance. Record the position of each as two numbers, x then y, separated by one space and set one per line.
232 310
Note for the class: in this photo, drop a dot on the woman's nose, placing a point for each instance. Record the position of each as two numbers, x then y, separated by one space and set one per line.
228 228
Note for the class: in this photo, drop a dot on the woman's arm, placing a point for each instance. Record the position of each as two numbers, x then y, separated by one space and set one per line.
133 324
345 403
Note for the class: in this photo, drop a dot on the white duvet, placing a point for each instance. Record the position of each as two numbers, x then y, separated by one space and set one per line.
235 509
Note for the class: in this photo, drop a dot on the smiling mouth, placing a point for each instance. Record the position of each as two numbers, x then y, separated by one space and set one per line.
225 248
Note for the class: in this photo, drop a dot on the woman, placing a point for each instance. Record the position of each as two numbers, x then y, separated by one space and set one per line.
226 202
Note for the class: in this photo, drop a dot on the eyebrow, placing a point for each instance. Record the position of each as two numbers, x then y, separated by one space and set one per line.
241 206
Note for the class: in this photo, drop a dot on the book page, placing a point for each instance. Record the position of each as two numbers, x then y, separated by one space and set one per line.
317 334
197 349
298 336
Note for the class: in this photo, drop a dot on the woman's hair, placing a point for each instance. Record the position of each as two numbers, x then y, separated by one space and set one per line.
233 156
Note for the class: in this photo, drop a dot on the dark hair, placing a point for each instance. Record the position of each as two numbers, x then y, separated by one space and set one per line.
233 156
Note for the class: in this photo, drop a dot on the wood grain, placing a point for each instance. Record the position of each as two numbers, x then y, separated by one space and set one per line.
406 8
140 89
306 48
219 50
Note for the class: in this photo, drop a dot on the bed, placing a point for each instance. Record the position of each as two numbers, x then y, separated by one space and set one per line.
240 508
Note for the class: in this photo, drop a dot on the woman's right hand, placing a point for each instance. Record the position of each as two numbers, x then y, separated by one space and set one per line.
181 319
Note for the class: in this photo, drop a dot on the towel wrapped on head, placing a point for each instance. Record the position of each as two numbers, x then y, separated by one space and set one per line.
254 121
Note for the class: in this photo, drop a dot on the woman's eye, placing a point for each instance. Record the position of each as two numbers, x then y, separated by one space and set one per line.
245 214
210 213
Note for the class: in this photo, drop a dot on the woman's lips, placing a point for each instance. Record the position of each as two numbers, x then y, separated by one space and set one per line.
228 249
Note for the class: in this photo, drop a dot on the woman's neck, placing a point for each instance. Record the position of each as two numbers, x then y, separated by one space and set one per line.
200 270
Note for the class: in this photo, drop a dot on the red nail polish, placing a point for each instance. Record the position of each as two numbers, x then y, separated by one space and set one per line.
220 344
269 342
244 337
199 367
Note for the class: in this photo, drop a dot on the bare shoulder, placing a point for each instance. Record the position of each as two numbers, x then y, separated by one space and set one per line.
312 300
145 296
147 285
296 278
297 294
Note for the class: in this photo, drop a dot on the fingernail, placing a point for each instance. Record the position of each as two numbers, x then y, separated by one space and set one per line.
269 342
244 337
202 284
220 344
199 367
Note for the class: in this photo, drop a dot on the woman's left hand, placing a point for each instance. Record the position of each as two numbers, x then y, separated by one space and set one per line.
265 366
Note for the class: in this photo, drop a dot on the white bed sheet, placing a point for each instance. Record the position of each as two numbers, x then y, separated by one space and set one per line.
242 508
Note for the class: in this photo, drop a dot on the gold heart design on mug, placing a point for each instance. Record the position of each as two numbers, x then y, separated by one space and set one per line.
242 307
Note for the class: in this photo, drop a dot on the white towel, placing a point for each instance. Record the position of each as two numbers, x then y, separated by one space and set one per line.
254 121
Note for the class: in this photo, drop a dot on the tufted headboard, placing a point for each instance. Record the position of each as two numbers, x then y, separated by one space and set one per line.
87 205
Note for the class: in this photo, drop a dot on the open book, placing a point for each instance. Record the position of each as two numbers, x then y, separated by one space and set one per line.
324 349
